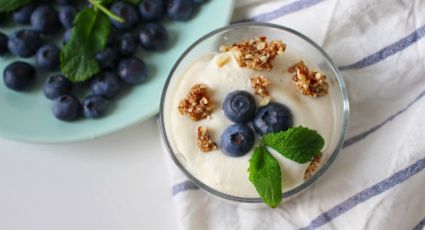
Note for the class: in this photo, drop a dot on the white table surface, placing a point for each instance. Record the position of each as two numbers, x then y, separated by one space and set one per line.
115 182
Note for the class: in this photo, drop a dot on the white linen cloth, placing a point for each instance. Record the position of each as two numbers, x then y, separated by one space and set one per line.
378 180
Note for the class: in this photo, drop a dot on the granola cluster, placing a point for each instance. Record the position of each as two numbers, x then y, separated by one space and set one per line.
257 53
308 83
313 166
260 84
205 143
197 105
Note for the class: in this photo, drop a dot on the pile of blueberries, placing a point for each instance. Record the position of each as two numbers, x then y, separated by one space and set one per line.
48 18
240 107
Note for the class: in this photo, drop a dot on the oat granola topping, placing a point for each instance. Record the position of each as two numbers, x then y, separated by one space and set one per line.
205 143
312 167
197 105
260 84
257 53
308 83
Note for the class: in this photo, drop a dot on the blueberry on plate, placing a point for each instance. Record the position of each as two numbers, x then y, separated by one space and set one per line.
3 44
127 45
56 85
153 36
24 43
64 2
107 58
237 140
95 106
45 20
132 71
273 117
66 107
105 84
239 106
200 1
112 38
127 12
66 16
23 15
18 75
152 10
47 57
67 36
180 10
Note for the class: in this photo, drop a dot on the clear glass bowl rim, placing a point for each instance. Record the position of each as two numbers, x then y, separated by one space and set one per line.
305 184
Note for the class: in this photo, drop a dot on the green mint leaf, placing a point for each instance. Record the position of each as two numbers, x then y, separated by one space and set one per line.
11 5
134 2
264 173
89 35
299 144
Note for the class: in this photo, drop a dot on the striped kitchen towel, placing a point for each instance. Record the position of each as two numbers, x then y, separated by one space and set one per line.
378 181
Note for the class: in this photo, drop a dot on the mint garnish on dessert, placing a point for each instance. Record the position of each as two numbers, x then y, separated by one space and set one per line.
299 144
264 173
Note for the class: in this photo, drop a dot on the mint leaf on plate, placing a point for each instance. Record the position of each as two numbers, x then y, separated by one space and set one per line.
89 35
264 173
299 144
11 5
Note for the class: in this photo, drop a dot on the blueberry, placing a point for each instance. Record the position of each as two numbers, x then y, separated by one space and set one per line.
153 36
180 10
112 39
132 71
18 75
47 57
56 85
67 36
95 106
105 84
3 44
152 10
107 58
23 15
64 2
45 19
66 16
273 117
66 107
127 45
24 43
239 106
237 140
127 12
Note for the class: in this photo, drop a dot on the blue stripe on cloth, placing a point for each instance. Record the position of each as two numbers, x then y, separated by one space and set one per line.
420 226
284 10
384 185
183 186
388 50
363 135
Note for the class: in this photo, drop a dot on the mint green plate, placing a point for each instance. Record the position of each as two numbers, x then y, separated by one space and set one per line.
27 116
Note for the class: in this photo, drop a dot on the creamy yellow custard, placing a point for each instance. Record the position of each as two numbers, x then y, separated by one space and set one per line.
221 73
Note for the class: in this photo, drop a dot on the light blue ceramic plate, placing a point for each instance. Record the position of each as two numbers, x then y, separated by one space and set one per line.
28 117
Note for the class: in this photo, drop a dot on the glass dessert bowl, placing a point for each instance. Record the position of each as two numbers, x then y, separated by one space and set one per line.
236 91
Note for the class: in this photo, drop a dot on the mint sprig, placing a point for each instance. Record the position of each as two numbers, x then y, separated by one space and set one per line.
89 36
11 5
264 173
299 144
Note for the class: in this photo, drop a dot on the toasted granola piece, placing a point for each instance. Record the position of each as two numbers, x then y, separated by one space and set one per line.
260 84
205 143
308 83
222 59
197 105
257 53
313 166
